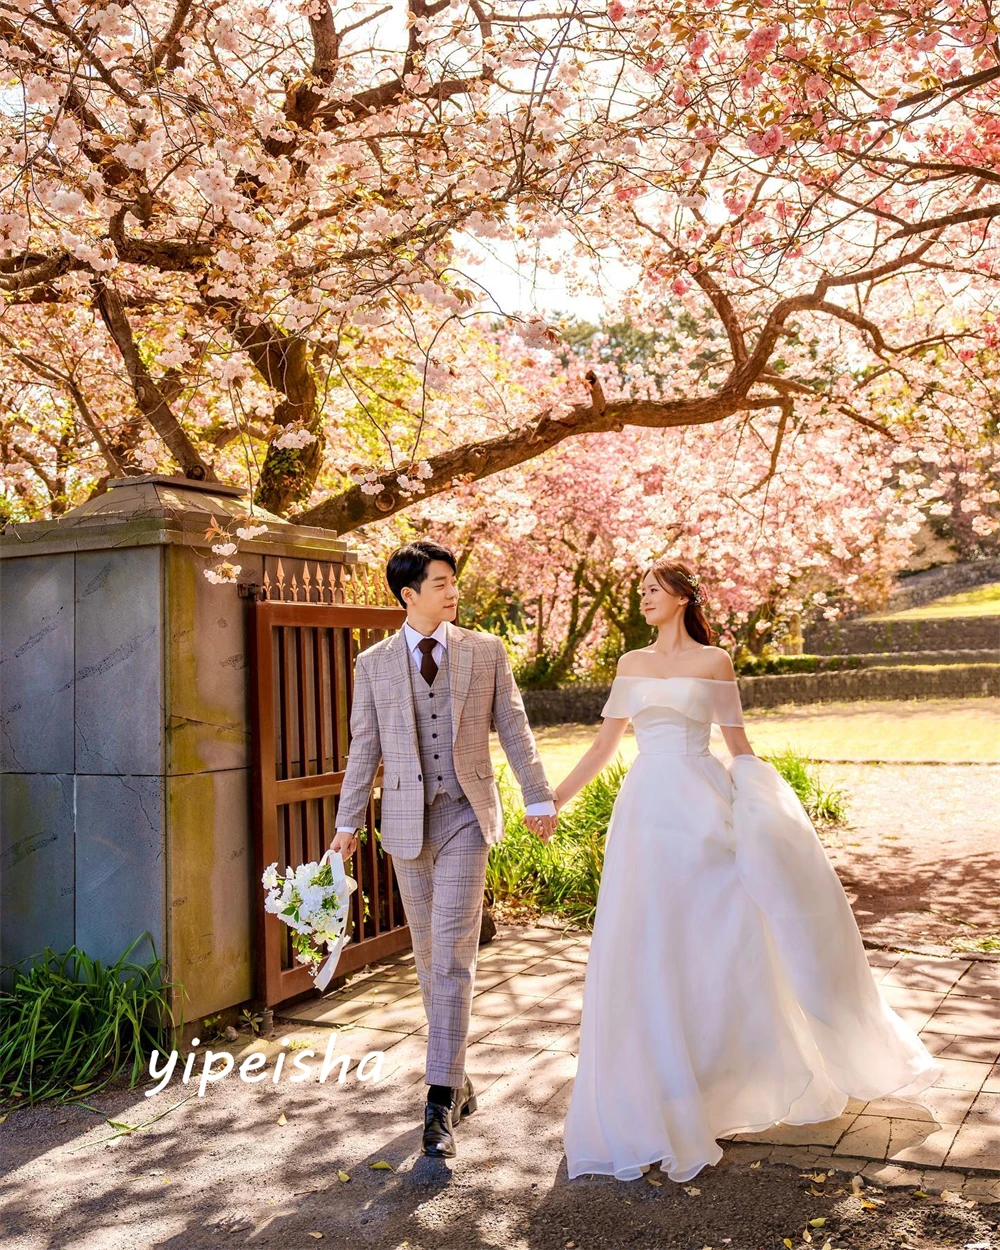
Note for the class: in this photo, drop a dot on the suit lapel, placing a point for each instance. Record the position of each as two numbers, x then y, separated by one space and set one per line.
400 663
459 675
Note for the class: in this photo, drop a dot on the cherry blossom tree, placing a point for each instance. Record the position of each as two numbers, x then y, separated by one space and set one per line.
241 240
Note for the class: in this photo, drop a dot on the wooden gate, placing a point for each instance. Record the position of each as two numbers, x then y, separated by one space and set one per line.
304 638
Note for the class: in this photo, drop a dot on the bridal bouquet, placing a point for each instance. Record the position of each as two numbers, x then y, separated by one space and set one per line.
312 900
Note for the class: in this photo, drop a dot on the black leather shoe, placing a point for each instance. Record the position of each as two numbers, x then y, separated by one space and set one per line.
464 1101
439 1141
440 1121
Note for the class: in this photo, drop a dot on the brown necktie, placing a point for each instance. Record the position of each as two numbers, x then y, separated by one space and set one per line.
428 665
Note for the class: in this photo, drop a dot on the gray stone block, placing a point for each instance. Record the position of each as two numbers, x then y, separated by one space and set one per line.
36 665
36 864
119 686
120 869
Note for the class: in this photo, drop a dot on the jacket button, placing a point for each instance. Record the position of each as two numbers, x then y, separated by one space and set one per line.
440 779
430 694
434 715
436 757
433 735
419 778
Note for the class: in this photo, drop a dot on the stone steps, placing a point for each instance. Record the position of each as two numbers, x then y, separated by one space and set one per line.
886 681
868 635
882 659
889 680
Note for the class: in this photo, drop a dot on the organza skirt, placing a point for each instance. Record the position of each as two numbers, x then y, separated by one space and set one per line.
727 987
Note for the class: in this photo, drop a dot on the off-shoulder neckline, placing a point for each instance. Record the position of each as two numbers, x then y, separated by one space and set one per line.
719 681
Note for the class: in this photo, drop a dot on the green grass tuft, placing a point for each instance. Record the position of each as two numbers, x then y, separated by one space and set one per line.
982 601
69 1024
825 805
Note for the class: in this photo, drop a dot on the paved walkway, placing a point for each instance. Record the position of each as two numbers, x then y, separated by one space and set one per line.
525 1035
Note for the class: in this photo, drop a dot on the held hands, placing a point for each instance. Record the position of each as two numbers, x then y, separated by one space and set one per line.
544 826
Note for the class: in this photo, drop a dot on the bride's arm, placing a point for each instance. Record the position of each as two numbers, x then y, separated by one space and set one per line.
736 740
597 756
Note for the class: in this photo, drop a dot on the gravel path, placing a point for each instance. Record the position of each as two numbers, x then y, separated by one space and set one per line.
920 854
258 1166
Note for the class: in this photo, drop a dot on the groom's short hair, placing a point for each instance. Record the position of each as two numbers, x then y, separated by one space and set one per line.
407 565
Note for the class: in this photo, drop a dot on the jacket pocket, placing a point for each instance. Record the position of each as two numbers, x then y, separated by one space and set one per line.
390 781
485 769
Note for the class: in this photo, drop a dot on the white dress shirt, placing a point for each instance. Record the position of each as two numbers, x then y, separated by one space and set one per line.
440 635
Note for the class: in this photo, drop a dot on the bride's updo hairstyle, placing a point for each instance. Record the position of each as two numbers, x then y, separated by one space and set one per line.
676 576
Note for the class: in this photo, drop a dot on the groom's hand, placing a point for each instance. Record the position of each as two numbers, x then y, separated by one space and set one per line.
345 843
543 826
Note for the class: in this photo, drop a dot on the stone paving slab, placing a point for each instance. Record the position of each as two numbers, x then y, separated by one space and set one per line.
525 1034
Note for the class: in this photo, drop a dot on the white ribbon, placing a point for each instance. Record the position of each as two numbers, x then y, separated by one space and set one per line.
345 887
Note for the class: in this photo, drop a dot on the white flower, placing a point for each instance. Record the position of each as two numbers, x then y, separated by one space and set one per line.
224 549
250 531
983 525
295 438
223 573
269 879
941 508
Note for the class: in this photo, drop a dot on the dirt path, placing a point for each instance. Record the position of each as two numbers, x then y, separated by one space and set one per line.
920 854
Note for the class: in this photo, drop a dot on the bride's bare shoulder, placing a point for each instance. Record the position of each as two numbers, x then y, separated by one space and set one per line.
718 664
634 663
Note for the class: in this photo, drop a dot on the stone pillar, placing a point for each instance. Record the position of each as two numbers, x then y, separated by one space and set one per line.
124 732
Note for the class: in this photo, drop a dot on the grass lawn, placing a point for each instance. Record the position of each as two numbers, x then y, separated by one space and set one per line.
925 730
983 601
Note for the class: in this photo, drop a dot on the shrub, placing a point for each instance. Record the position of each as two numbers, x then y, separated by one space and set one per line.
824 805
69 1025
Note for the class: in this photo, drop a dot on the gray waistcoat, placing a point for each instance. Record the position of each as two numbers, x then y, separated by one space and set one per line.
432 705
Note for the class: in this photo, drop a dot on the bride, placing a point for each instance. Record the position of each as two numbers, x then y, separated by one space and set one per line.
727 987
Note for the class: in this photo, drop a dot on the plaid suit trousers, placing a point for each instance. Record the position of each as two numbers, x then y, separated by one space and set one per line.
442 893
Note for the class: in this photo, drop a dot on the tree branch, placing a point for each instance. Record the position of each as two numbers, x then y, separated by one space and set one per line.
473 461
952 219
149 397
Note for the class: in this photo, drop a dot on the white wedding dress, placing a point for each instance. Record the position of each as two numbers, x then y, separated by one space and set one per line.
727 987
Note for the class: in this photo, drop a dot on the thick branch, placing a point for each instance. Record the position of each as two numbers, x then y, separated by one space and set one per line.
474 461
149 397
952 219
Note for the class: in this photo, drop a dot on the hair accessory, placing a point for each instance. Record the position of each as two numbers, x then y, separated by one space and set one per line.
694 581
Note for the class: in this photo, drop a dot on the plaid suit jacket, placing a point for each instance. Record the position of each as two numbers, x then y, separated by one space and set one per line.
384 730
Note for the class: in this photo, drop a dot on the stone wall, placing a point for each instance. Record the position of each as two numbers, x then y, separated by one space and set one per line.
853 637
949 579
583 704
124 736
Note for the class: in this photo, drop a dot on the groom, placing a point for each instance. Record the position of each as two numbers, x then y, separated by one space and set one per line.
423 703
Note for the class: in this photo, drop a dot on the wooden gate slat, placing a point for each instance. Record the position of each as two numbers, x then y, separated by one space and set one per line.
301 663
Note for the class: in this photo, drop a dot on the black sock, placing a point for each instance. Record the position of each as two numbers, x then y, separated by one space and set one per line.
440 1094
